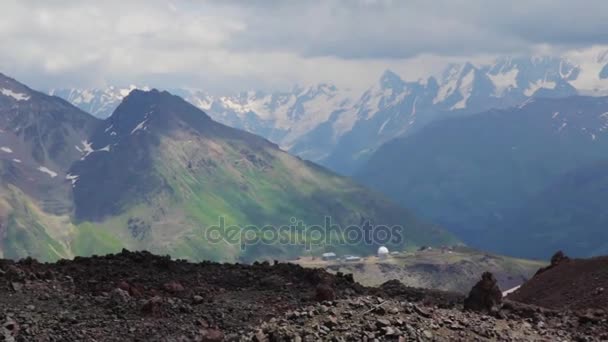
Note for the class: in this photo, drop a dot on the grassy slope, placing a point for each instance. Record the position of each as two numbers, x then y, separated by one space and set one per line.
161 188
267 187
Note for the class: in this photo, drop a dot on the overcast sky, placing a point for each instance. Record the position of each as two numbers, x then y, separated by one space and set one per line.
234 45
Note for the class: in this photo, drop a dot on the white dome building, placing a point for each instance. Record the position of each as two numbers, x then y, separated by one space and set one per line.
383 252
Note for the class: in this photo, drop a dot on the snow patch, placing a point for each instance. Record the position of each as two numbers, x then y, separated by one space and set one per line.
125 92
6 149
87 146
504 81
17 160
539 84
525 103
511 290
14 95
383 125
445 90
555 115
88 149
465 88
140 126
53 174
72 178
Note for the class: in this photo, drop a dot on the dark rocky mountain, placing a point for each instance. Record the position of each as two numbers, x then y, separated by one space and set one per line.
470 174
40 137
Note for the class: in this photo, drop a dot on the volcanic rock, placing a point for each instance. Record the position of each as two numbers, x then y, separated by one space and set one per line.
324 292
485 295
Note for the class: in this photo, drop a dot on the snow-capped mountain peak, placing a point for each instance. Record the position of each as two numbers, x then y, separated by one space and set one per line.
313 121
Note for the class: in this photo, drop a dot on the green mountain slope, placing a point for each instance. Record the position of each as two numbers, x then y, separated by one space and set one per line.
156 175
163 171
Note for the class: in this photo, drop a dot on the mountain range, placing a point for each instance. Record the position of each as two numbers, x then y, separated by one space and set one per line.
155 175
341 128
526 179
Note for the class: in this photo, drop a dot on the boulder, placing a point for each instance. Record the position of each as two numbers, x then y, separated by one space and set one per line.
485 295
324 292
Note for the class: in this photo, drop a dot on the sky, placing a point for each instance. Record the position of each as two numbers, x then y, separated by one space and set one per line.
266 44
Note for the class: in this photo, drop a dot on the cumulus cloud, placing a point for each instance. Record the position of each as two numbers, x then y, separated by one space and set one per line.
264 43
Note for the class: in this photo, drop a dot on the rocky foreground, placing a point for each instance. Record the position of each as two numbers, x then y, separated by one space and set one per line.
142 297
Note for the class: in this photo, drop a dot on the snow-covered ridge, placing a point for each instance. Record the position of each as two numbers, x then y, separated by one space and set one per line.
311 121
14 95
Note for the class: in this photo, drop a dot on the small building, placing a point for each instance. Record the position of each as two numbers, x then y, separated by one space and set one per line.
328 256
352 258
383 252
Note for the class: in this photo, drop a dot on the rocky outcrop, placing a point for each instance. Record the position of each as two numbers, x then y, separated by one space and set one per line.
485 295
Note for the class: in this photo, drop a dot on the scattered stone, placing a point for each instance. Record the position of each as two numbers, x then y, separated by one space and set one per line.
212 335
381 322
152 306
331 322
427 334
421 312
198 299
120 296
89 299
10 330
173 287
17 287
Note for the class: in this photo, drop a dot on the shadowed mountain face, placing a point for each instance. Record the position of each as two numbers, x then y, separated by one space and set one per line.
155 175
471 174
49 128
40 137
568 214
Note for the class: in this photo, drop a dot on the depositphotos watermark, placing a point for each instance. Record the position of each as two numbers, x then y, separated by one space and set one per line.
309 236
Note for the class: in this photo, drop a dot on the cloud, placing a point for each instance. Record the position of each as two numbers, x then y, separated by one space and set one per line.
239 44
402 29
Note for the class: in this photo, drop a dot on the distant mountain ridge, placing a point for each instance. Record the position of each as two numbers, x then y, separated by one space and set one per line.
341 128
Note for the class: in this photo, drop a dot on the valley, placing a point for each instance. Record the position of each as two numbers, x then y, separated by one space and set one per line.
453 269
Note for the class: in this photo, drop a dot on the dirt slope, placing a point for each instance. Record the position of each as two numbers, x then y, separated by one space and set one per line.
571 284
